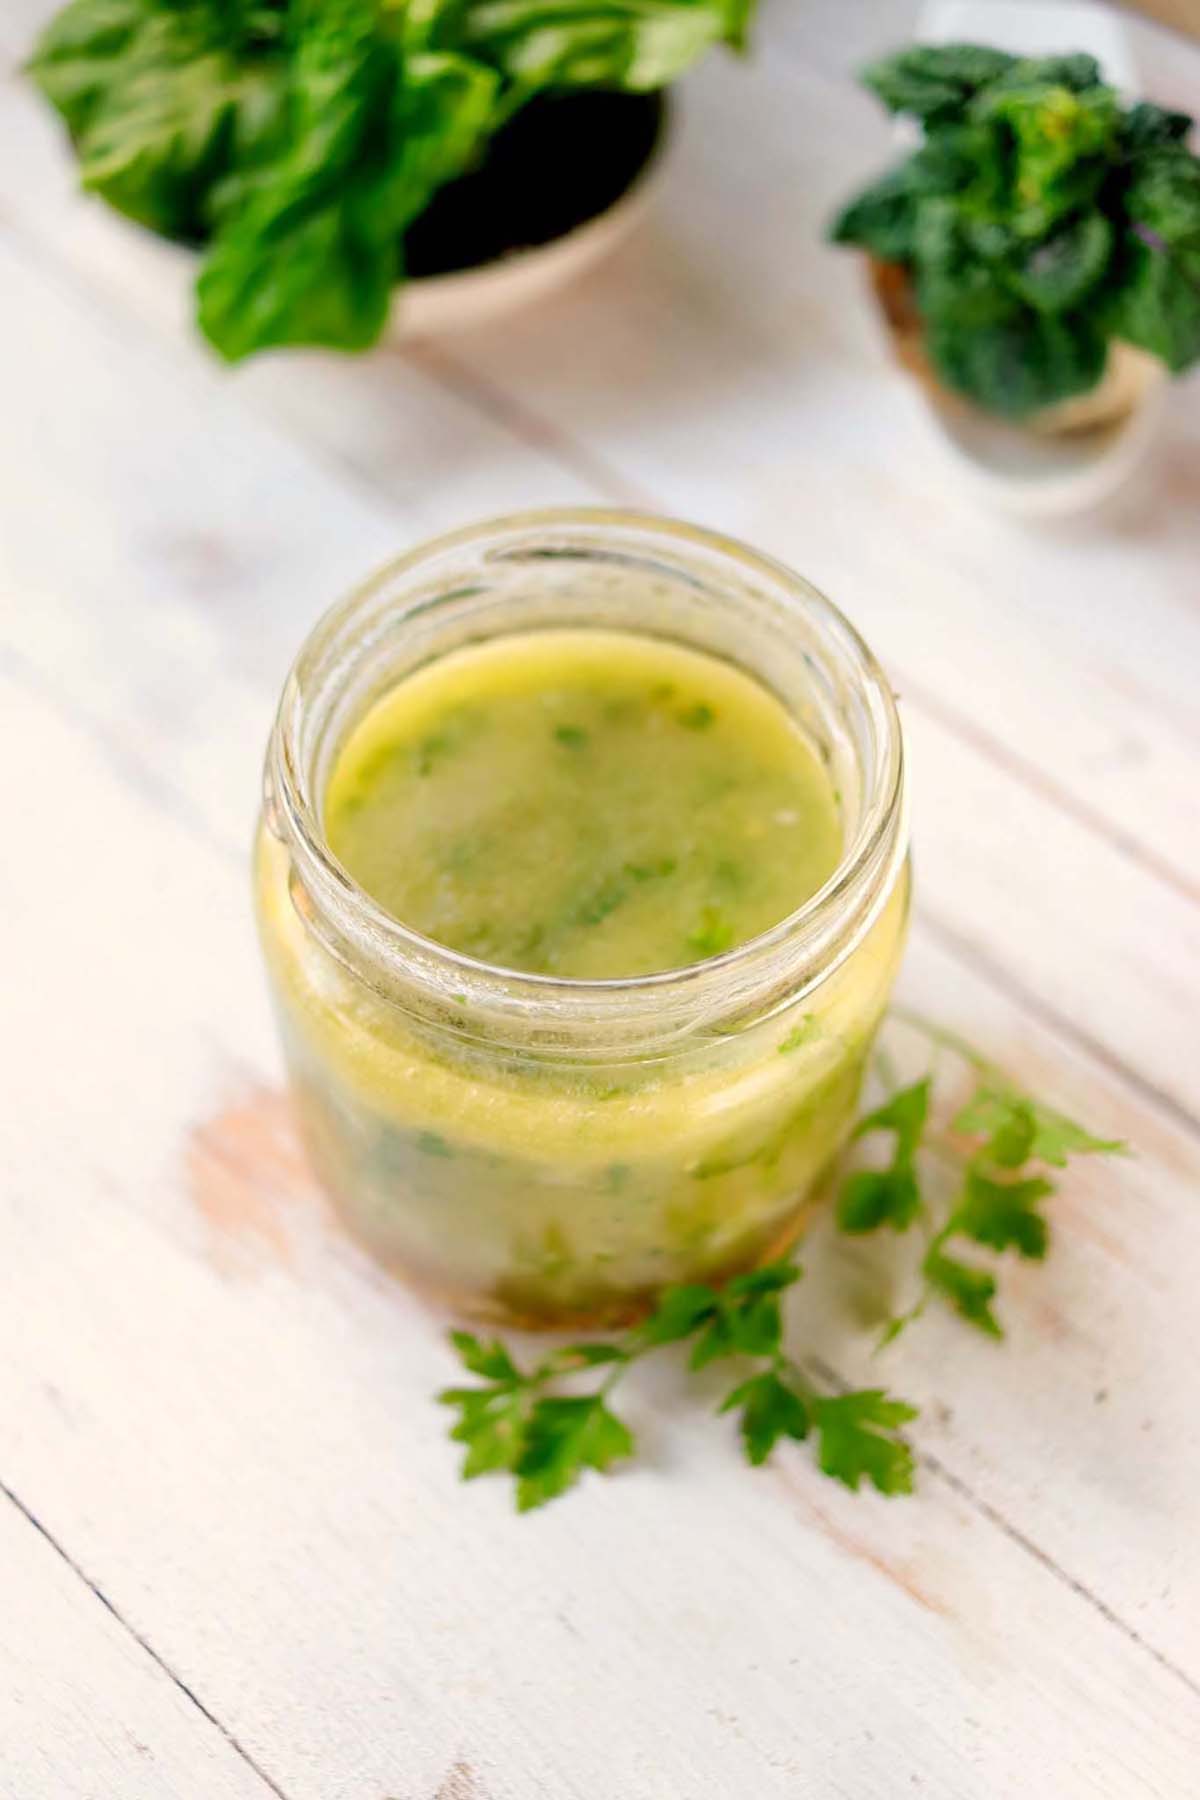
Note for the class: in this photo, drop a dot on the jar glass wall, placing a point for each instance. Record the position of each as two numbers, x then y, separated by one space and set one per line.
545 1150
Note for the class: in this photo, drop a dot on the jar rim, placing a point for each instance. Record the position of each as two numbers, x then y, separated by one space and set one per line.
878 843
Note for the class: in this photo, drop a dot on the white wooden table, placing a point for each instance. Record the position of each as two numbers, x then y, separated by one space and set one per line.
235 1559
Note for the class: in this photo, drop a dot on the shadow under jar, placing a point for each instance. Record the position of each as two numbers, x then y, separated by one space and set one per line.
543 1150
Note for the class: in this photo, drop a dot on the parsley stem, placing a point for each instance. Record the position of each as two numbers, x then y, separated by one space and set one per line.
949 1040
616 1371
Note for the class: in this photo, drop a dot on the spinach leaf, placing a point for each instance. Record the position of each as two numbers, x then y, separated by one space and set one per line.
1164 195
934 82
955 285
1146 125
1039 220
1016 365
1055 275
1076 72
1057 145
883 217
1157 305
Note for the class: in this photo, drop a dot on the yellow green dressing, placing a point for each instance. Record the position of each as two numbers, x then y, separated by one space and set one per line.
583 803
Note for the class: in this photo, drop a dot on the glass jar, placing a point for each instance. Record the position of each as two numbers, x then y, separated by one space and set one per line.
545 1151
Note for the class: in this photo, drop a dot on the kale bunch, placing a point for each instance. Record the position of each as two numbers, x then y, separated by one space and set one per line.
1038 220
295 141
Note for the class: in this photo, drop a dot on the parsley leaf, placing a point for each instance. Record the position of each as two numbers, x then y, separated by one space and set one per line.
680 1311
770 1410
491 1423
1008 1119
1002 1214
905 1114
969 1290
747 1320
490 1360
519 1422
564 1437
859 1439
874 1197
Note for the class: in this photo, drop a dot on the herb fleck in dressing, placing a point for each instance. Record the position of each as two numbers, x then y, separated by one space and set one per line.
583 803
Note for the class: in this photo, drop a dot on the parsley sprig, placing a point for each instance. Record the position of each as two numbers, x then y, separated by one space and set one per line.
1001 1144
547 1424
519 1422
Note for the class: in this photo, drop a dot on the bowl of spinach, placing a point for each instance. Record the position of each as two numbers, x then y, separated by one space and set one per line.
320 155
1037 251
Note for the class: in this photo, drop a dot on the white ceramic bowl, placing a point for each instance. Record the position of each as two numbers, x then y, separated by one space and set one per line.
471 297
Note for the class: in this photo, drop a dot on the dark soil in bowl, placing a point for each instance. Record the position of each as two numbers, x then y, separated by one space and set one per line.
564 159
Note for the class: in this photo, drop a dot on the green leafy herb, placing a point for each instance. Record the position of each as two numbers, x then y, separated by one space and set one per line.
769 1409
520 1423
298 140
968 1289
1017 1128
874 1197
535 1426
713 934
935 82
563 1437
1003 1142
801 1034
859 1440
1038 221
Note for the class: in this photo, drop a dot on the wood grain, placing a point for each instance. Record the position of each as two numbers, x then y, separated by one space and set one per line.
86 1711
251 1555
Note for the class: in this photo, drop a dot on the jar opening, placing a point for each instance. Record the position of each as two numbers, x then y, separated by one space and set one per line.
629 572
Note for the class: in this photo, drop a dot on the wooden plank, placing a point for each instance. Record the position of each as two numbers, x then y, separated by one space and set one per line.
86 1712
960 603
827 35
1031 1619
1179 15
209 991
245 535
242 1452
756 394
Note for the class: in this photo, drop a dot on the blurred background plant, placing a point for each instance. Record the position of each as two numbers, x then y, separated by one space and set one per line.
297 143
1040 226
